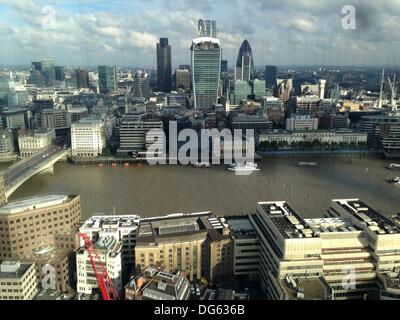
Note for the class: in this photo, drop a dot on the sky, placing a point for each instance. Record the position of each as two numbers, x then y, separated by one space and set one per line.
125 32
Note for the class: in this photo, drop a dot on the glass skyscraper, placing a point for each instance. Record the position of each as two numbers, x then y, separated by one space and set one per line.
207 28
245 64
164 65
271 75
206 69
107 79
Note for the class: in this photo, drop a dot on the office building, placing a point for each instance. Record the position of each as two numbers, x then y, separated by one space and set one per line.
31 142
121 227
245 63
3 199
246 248
158 285
54 119
242 90
82 78
107 79
197 244
255 122
6 145
301 123
109 252
321 88
133 132
59 73
88 137
164 65
17 281
207 28
285 90
182 79
206 65
14 118
336 257
372 124
390 138
32 223
258 89
141 84
322 136
271 76
224 66
48 71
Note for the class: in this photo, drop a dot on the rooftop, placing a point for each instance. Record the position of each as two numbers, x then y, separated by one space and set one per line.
287 221
369 217
326 225
34 203
306 289
13 269
241 227
171 226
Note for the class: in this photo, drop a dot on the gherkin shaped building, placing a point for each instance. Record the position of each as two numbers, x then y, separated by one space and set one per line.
245 64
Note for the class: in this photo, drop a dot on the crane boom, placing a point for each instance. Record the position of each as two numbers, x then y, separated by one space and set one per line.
104 281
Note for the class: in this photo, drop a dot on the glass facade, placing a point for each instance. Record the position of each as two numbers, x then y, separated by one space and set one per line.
107 78
242 90
206 64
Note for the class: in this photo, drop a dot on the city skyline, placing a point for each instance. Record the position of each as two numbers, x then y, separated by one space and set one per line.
126 33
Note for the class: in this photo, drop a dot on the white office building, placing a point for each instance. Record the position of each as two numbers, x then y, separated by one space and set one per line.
121 227
88 137
17 281
109 251
301 122
32 142
336 257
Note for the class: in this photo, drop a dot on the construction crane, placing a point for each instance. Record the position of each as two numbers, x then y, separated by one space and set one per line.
392 85
104 281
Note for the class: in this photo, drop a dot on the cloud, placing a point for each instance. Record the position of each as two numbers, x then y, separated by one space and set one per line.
126 32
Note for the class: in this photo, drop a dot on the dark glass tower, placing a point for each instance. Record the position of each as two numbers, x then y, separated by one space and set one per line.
164 65
245 64
271 75
107 79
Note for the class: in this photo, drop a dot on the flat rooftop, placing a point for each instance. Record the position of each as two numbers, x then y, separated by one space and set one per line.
312 289
34 203
13 269
106 222
177 225
373 219
241 227
286 220
326 225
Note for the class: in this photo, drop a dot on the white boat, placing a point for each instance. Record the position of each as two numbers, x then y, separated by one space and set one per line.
395 181
244 168
202 165
307 164
393 166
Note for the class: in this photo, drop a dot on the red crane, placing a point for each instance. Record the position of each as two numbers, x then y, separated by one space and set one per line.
104 281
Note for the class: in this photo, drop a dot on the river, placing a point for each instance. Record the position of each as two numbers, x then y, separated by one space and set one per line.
156 190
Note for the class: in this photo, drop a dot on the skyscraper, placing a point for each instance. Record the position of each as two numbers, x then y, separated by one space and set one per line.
207 28
141 84
82 78
164 65
224 66
107 78
206 67
271 75
182 79
245 63
48 71
59 73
